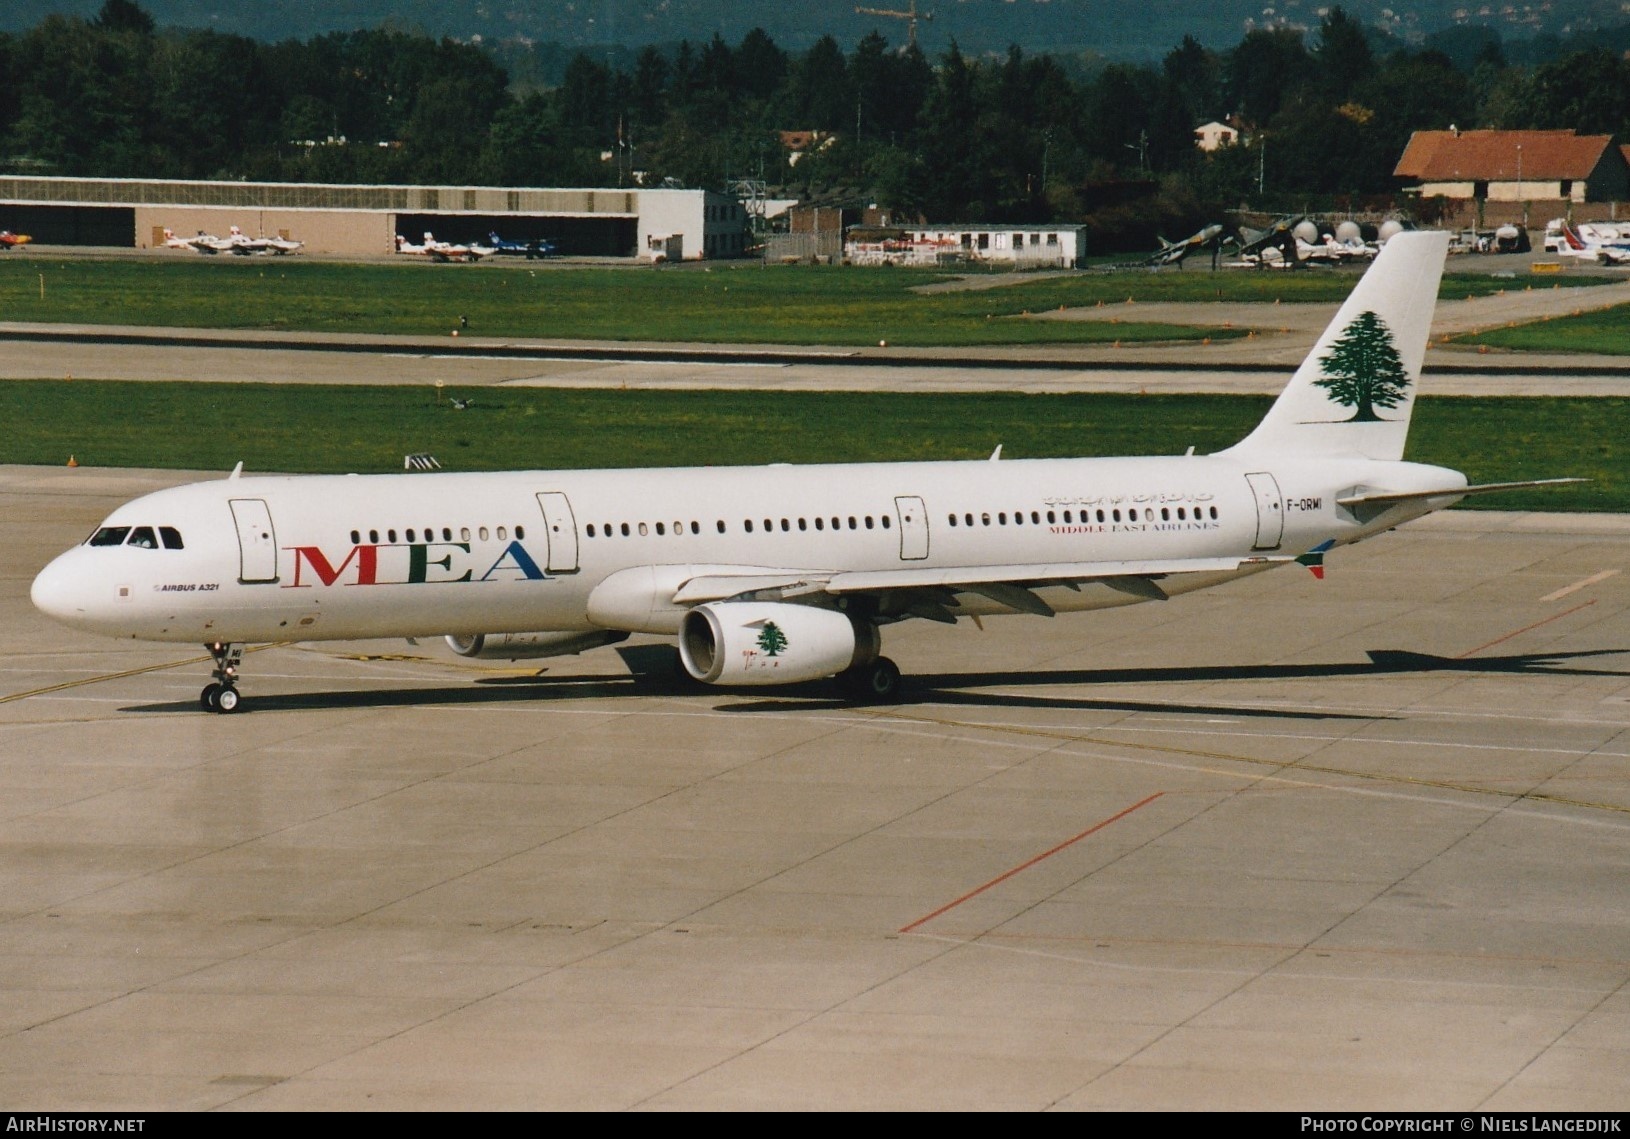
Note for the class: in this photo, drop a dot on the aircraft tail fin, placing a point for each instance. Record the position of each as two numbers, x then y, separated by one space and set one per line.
1354 393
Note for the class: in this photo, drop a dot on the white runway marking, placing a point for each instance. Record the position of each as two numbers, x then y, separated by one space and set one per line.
1578 585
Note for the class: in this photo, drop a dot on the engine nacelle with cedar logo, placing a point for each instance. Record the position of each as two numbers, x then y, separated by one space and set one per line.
769 642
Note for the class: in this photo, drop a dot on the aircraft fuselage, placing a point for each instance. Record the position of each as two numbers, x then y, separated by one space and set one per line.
304 558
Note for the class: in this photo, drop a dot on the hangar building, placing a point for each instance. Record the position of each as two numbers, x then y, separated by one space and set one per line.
364 220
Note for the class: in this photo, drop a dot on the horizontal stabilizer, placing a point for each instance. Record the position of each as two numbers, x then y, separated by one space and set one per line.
1454 492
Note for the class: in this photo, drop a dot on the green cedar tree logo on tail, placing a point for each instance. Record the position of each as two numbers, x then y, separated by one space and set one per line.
1363 370
771 639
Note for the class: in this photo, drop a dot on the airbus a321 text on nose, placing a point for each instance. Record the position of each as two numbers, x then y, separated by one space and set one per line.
774 575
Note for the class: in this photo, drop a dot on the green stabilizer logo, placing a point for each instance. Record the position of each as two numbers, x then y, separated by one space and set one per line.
771 639
1363 370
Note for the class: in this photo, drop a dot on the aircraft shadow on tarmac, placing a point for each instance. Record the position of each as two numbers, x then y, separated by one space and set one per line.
953 688
652 672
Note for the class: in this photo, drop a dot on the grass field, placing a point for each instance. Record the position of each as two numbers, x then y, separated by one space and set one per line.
307 428
729 302
1606 331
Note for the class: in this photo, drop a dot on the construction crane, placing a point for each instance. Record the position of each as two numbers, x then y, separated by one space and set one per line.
910 16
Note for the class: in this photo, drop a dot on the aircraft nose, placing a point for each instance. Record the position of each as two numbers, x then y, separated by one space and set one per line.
60 591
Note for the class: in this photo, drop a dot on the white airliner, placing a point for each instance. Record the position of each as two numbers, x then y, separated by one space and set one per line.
778 574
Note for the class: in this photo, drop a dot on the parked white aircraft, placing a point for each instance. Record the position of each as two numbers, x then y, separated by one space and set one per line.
773 575
201 242
1605 242
441 250
236 241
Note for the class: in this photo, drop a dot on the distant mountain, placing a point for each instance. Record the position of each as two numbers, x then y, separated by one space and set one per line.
1107 27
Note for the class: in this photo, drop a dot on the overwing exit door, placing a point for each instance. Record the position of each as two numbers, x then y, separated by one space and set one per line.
913 528
561 530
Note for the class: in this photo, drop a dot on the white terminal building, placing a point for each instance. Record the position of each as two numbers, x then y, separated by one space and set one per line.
665 224
1026 246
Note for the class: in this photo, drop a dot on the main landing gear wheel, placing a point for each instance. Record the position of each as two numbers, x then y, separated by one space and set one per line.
221 694
219 698
877 681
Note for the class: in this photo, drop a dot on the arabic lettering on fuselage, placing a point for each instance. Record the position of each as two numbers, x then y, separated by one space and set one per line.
1115 499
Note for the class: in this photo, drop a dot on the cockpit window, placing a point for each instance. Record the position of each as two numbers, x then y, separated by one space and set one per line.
142 537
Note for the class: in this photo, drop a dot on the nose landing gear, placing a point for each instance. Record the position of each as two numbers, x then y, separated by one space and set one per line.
221 694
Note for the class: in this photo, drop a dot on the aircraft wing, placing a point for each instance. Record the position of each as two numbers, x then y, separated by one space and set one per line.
1007 584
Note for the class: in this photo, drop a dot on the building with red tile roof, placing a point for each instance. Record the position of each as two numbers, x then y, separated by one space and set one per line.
1516 166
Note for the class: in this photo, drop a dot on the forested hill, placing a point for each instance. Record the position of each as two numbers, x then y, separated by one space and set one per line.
1111 28
947 135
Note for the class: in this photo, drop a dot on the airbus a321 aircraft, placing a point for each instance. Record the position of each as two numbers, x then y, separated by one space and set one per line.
778 574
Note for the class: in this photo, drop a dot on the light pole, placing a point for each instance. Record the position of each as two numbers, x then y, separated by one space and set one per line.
1520 197
1142 147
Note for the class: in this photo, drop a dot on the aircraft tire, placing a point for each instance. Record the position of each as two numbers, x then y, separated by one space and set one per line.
877 682
209 699
227 700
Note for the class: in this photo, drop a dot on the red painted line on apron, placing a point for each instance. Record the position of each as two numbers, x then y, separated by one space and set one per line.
1524 629
1095 828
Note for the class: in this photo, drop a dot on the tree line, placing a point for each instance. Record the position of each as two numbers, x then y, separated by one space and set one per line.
959 137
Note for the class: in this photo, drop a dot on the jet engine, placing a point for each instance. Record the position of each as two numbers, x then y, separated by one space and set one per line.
769 642
520 646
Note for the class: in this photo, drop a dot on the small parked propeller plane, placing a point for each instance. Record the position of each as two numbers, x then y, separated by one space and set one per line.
779 574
